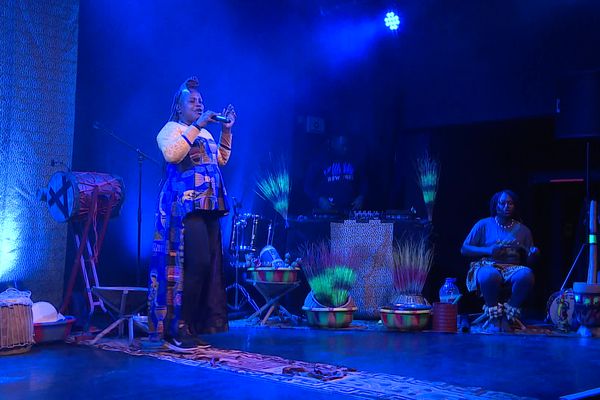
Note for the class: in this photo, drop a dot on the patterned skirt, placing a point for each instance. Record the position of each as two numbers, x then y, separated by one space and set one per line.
506 270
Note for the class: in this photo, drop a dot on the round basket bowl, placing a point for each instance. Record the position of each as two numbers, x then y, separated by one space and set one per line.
270 274
321 316
44 332
340 317
406 320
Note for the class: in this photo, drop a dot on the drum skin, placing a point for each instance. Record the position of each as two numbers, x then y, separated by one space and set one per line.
70 195
560 308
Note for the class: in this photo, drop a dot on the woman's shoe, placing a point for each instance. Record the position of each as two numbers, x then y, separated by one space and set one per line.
196 341
180 343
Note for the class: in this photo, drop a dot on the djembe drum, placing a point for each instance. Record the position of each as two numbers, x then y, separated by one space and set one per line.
16 322
82 199
70 195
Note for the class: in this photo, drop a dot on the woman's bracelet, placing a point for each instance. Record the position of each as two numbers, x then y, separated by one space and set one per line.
187 140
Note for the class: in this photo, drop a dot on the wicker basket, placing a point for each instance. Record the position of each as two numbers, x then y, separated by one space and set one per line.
16 322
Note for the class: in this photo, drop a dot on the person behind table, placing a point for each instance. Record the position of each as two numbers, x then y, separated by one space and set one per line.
504 247
335 181
187 289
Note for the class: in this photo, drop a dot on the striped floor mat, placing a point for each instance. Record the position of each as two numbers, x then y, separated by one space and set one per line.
330 378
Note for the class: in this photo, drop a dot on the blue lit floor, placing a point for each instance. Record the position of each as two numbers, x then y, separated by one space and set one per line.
536 366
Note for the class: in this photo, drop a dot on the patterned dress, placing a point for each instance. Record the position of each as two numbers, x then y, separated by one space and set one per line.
192 183
486 233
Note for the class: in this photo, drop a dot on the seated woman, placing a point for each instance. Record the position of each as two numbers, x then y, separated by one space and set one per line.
504 247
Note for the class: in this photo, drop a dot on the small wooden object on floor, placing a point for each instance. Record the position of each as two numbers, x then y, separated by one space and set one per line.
126 301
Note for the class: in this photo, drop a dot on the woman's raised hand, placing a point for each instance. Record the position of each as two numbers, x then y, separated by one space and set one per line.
205 118
229 113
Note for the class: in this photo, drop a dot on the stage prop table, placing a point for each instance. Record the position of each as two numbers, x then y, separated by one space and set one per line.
273 284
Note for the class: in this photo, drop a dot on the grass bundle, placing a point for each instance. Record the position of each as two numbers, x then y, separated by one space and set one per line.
274 185
330 274
332 286
412 262
428 173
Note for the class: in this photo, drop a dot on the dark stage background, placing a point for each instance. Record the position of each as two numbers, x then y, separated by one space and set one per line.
473 82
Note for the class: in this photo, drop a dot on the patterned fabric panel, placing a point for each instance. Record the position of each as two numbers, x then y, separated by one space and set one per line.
38 71
374 286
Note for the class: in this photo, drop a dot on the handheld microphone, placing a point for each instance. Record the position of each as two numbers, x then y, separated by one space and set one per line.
221 118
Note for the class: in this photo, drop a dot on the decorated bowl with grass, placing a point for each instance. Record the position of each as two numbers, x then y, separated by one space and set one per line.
271 274
406 318
321 316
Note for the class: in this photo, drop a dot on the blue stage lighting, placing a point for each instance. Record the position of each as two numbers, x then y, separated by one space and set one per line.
10 229
392 21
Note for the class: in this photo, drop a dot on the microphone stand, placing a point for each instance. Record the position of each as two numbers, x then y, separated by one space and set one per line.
141 156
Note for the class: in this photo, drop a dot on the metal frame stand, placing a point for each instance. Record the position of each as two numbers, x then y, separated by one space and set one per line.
87 255
125 310
273 292
241 295
94 302
239 291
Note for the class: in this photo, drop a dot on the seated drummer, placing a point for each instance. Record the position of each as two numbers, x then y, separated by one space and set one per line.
504 248
335 180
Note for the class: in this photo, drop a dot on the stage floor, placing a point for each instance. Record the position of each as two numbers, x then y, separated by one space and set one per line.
532 366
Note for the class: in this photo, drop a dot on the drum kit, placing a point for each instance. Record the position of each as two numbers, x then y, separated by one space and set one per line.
249 234
248 230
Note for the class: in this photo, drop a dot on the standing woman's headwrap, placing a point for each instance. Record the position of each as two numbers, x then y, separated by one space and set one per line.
191 83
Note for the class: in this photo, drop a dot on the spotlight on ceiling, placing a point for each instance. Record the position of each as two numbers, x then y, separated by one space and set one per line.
392 21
